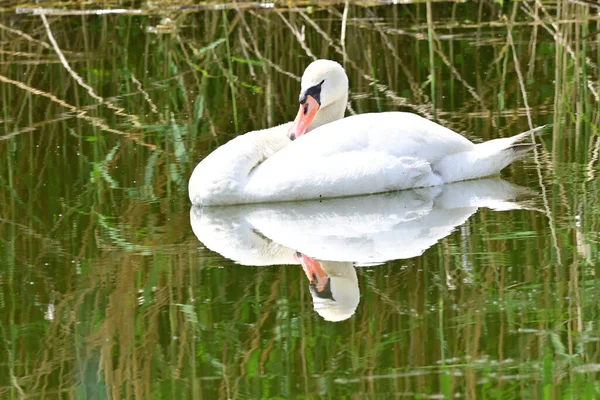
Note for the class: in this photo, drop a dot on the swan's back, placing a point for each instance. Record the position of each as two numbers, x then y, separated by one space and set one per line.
396 133
366 153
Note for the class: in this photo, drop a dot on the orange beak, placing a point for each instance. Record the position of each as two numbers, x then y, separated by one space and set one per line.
312 269
305 116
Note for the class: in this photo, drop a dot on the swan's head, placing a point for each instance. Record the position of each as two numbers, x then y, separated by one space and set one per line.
323 96
333 286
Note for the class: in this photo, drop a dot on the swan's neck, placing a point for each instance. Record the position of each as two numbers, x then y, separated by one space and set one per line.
219 178
331 112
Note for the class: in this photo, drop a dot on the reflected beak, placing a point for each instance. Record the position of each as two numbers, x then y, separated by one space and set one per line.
305 116
314 272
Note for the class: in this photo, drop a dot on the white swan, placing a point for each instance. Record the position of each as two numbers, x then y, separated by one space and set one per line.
361 154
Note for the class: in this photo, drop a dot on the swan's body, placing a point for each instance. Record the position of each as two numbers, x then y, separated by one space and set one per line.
362 154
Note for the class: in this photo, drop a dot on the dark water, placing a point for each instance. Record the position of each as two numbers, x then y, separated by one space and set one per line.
486 289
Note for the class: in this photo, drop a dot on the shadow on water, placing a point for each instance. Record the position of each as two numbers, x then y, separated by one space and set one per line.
105 291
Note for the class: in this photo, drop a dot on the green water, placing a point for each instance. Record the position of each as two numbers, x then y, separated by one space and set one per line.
489 290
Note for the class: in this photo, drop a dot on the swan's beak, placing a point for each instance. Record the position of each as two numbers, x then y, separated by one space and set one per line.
306 113
314 272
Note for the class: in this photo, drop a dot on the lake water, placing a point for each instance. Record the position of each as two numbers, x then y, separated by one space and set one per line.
112 287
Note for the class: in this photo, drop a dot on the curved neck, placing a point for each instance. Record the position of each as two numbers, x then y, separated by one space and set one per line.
331 112
219 177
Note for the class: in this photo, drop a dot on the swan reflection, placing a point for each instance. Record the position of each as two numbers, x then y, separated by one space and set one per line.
329 238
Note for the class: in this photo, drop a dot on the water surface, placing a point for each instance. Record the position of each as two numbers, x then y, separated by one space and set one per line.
487 290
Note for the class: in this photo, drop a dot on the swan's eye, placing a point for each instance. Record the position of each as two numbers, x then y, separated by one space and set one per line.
324 293
314 91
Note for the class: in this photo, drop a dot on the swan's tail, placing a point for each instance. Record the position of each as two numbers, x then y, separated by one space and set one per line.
486 159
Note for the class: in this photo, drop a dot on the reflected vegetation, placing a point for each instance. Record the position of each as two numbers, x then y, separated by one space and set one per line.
106 292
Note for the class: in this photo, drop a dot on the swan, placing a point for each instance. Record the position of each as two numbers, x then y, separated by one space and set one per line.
361 154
